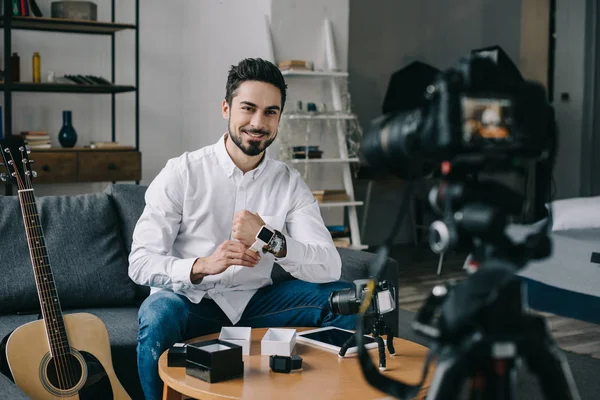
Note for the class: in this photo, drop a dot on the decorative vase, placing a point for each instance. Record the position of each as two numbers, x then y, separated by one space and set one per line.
67 135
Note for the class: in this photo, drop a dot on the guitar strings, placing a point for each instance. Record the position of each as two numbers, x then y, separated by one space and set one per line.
35 255
60 361
34 252
61 358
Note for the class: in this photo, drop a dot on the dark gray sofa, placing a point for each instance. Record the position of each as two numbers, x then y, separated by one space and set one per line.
88 238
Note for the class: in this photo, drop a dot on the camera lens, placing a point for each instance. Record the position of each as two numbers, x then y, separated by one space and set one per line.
343 302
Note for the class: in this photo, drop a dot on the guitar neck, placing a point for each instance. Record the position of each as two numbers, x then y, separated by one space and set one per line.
44 279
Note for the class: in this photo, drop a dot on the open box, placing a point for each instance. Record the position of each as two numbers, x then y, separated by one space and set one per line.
278 341
214 361
239 335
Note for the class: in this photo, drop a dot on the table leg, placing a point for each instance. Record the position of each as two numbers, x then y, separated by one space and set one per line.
170 394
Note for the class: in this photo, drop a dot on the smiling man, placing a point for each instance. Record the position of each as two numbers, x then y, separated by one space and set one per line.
217 219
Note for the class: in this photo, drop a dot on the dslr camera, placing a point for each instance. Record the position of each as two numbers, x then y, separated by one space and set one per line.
348 301
480 114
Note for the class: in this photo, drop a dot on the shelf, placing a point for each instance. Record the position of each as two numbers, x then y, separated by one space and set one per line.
323 160
321 116
340 203
66 25
314 74
72 149
67 88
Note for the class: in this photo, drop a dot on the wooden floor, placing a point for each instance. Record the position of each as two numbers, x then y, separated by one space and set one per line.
418 275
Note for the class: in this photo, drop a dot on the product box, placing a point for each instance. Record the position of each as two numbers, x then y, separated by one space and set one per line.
177 355
239 335
214 361
278 341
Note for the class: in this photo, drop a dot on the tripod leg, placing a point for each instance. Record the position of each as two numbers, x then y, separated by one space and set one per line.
550 366
390 341
381 347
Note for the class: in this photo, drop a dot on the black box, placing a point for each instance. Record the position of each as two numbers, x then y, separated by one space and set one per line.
176 355
214 361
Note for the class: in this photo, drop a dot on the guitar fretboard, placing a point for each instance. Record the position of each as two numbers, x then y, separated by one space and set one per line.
46 287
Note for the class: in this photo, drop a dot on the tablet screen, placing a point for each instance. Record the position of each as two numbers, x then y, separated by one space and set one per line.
335 337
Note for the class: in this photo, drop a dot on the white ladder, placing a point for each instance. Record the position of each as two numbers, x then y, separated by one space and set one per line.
341 119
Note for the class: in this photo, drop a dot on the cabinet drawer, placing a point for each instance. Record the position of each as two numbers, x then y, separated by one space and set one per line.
54 167
106 166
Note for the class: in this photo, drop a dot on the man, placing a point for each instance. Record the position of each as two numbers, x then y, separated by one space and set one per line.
194 242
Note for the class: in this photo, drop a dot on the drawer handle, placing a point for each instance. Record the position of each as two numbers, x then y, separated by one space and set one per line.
45 168
112 167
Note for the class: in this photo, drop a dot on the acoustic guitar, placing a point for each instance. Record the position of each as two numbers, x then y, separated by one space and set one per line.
58 356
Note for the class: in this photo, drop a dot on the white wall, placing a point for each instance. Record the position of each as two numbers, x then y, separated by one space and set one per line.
216 35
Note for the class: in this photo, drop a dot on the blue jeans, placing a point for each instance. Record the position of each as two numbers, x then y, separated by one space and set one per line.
166 318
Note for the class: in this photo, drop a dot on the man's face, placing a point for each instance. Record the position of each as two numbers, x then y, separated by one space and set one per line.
253 116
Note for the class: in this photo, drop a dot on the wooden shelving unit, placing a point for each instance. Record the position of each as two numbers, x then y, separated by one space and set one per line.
59 165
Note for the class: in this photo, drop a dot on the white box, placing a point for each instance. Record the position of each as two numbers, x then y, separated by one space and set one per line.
278 341
237 335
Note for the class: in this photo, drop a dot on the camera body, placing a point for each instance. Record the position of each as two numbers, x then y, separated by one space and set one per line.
474 115
348 301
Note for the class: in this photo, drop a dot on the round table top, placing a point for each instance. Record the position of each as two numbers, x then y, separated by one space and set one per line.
323 374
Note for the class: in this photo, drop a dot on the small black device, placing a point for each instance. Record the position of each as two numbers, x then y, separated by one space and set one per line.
177 355
348 301
285 364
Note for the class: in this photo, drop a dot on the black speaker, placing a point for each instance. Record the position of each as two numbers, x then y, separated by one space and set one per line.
407 86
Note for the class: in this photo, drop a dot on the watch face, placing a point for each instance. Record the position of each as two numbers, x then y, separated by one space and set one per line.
265 235
280 364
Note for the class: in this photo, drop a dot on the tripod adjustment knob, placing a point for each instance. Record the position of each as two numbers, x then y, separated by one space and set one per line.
441 237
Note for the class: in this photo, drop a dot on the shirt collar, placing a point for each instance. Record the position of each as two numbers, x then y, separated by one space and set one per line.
229 166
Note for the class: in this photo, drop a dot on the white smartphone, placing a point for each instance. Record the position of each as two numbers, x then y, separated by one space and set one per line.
332 339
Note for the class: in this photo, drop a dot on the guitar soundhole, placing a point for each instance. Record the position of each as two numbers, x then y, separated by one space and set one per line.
64 372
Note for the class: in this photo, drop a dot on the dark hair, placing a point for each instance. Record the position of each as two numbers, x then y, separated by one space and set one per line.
254 69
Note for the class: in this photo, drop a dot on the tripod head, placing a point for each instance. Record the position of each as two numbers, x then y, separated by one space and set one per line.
475 215
478 327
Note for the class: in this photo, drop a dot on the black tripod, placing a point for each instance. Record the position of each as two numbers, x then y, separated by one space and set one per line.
485 347
377 328
483 328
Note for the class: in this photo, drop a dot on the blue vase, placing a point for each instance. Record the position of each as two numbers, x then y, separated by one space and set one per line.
67 135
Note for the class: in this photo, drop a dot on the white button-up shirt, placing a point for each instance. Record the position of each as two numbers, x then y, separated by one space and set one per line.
189 211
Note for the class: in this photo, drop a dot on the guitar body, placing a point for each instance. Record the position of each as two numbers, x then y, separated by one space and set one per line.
90 363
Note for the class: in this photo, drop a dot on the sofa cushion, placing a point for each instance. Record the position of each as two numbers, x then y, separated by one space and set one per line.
129 201
85 250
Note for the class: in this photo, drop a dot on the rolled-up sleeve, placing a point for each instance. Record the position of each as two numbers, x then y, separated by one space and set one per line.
311 254
149 261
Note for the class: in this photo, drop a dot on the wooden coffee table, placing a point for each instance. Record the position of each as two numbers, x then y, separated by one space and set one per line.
323 376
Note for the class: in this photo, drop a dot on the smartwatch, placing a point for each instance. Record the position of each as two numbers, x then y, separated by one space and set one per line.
263 237
285 364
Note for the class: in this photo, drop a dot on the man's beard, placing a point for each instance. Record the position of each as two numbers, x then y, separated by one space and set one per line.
253 148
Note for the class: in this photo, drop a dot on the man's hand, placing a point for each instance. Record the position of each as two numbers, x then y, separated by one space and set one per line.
246 225
227 254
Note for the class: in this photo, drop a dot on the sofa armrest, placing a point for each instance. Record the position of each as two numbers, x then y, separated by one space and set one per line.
10 390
